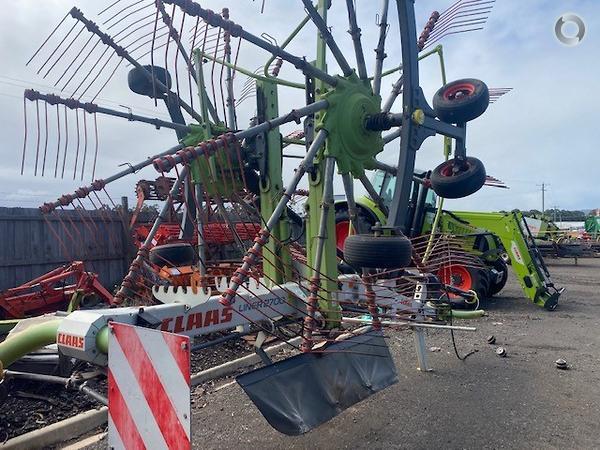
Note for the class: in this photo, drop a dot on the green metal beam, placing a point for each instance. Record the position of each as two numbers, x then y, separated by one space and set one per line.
276 257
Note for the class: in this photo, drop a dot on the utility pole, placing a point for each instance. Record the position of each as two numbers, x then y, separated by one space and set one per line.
544 187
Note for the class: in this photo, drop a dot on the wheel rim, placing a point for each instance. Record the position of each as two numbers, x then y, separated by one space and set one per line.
342 231
456 276
448 169
459 91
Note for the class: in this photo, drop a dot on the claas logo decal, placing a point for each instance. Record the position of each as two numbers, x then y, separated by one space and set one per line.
194 321
70 340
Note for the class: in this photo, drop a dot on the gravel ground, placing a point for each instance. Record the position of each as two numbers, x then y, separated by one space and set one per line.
32 405
520 401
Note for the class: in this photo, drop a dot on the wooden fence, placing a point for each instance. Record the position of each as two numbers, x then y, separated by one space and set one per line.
33 244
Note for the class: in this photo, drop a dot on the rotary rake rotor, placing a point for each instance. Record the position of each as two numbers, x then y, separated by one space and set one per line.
227 177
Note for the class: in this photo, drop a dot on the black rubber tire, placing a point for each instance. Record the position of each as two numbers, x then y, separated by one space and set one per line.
173 255
448 184
377 252
496 286
365 222
139 83
480 283
461 101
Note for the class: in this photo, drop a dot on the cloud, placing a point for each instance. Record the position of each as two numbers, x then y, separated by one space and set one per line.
543 131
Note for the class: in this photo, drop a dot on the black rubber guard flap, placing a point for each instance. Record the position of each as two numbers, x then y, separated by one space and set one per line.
300 393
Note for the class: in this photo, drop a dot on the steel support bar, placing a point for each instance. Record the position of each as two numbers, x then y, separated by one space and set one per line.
373 193
99 184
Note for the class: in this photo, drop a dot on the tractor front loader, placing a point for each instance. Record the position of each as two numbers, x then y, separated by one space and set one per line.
497 239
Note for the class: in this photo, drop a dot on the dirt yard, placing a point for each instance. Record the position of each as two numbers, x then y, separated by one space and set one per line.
520 401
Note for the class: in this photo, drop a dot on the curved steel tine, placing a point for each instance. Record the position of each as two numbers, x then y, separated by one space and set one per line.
25 134
66 143
45 137
58 140
47 39
57 48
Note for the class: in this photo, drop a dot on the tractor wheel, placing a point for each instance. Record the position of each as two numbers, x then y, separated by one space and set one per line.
342 227
173 255
447 182
497 283
461 101
381 252
466 279
140 84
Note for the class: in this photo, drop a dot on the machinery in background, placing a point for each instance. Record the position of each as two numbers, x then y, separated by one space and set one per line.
497 239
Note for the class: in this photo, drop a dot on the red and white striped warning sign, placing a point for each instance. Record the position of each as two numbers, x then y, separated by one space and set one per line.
148 389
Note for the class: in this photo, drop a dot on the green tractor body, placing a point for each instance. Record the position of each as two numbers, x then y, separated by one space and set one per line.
495 238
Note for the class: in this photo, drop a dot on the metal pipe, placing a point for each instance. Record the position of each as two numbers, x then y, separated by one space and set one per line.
195 10
99 184
380 50
91 393
313 297
166 164
252 74
396 90
328 38
285 43
355 33
352 210
373 193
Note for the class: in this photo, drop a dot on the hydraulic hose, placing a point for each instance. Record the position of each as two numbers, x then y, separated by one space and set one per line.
461 314
30 339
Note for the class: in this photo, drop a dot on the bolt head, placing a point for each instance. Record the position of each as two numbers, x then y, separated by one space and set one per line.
491 339
561 364
501 351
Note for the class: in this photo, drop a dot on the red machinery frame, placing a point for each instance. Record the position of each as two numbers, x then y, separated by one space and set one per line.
51 291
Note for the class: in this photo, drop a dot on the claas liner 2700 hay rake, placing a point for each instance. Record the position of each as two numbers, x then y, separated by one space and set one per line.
235 174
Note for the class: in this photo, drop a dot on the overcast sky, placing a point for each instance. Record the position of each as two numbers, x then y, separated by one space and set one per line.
544 131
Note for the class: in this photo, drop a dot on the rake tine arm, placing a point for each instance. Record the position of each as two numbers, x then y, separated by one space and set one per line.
121 52
251 258
188 154
99 185
215 20
380 50
373 193
355 32
328 38
92 108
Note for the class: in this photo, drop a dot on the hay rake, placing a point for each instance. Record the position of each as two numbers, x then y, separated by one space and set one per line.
232 174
